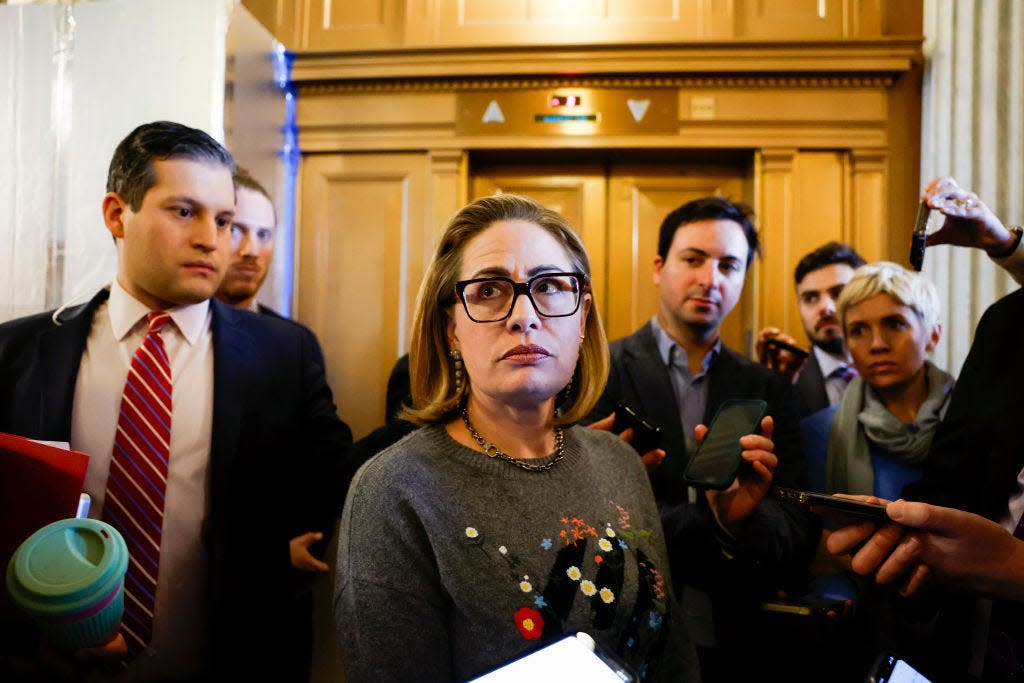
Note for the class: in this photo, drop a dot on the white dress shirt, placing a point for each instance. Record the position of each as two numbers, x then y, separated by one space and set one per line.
834 386
118 327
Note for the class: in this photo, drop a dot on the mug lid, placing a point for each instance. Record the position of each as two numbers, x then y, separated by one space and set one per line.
66 561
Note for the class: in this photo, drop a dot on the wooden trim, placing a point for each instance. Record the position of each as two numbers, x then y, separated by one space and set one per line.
891 56
789 80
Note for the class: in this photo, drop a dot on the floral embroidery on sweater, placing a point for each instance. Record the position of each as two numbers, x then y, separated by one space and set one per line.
590 565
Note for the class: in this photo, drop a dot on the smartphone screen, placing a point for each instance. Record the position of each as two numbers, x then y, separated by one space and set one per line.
573 659
891 669
717 459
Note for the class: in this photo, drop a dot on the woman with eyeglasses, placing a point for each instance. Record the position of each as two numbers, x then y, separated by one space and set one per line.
501 525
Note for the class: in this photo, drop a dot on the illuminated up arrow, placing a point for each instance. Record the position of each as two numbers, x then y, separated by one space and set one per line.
493 113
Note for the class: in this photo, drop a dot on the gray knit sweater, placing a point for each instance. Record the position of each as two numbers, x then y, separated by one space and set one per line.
450 562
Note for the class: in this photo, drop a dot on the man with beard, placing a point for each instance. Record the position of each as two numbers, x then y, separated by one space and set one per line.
820 277
252 250
675 371
252 244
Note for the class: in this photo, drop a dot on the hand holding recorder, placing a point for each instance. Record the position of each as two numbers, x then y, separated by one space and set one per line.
638 432
962 551
968 221
778 351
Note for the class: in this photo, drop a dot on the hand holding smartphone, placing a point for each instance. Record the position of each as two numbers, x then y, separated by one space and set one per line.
823 504
889 668
776 343
718 458
646 435
919 237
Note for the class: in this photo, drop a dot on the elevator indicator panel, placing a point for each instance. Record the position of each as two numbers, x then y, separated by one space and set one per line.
575 111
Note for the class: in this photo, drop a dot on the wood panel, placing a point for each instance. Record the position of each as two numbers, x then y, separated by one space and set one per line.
794 19
526 22
347 26
808 198
283 18
361 241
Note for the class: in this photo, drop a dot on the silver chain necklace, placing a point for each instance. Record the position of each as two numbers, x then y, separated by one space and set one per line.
492 451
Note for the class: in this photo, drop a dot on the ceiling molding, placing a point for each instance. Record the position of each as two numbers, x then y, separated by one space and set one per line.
728 59
813 80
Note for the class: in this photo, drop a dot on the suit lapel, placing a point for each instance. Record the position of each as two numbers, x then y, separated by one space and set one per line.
811 386
724 381
58 359
650 388
232 347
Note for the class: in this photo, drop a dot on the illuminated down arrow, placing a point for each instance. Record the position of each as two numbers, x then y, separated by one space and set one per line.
493 113
638 108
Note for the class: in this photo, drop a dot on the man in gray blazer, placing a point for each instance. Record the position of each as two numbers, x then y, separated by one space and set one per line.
675 371
819 276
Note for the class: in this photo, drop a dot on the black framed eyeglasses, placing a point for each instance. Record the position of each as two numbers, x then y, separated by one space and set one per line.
491 299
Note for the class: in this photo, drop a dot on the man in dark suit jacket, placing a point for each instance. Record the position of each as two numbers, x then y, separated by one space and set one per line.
675 372
274 464
253 230
819 276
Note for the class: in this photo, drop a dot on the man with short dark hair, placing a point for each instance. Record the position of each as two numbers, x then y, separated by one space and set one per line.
212 434
819 277
734 546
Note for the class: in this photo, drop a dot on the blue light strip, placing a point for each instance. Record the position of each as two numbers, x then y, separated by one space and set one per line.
564 118
290 155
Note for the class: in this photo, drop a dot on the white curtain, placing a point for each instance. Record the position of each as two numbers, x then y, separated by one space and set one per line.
75 78
972 129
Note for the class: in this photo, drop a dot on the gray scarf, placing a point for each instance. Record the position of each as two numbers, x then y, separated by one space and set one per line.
862 416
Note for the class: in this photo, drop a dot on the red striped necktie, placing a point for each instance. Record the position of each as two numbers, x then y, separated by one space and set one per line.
134 502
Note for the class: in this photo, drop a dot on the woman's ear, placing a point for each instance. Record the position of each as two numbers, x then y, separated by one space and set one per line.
453 340
585 306
933 338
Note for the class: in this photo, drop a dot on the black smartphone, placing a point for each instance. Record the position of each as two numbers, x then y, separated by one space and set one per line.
572 658
810 606
646 435
784 346
717 459
919 238
821 503
890 668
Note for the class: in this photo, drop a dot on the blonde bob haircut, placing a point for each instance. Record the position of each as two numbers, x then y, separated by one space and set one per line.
910 289
433 387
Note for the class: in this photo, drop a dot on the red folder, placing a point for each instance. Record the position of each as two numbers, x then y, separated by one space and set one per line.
39 484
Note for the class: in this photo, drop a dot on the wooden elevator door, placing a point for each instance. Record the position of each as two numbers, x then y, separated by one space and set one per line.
617 209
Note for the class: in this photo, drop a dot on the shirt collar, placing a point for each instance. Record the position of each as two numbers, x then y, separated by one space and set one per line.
126 311
666 343
827 362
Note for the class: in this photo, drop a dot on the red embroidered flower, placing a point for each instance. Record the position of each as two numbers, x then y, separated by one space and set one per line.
598 559
529 623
